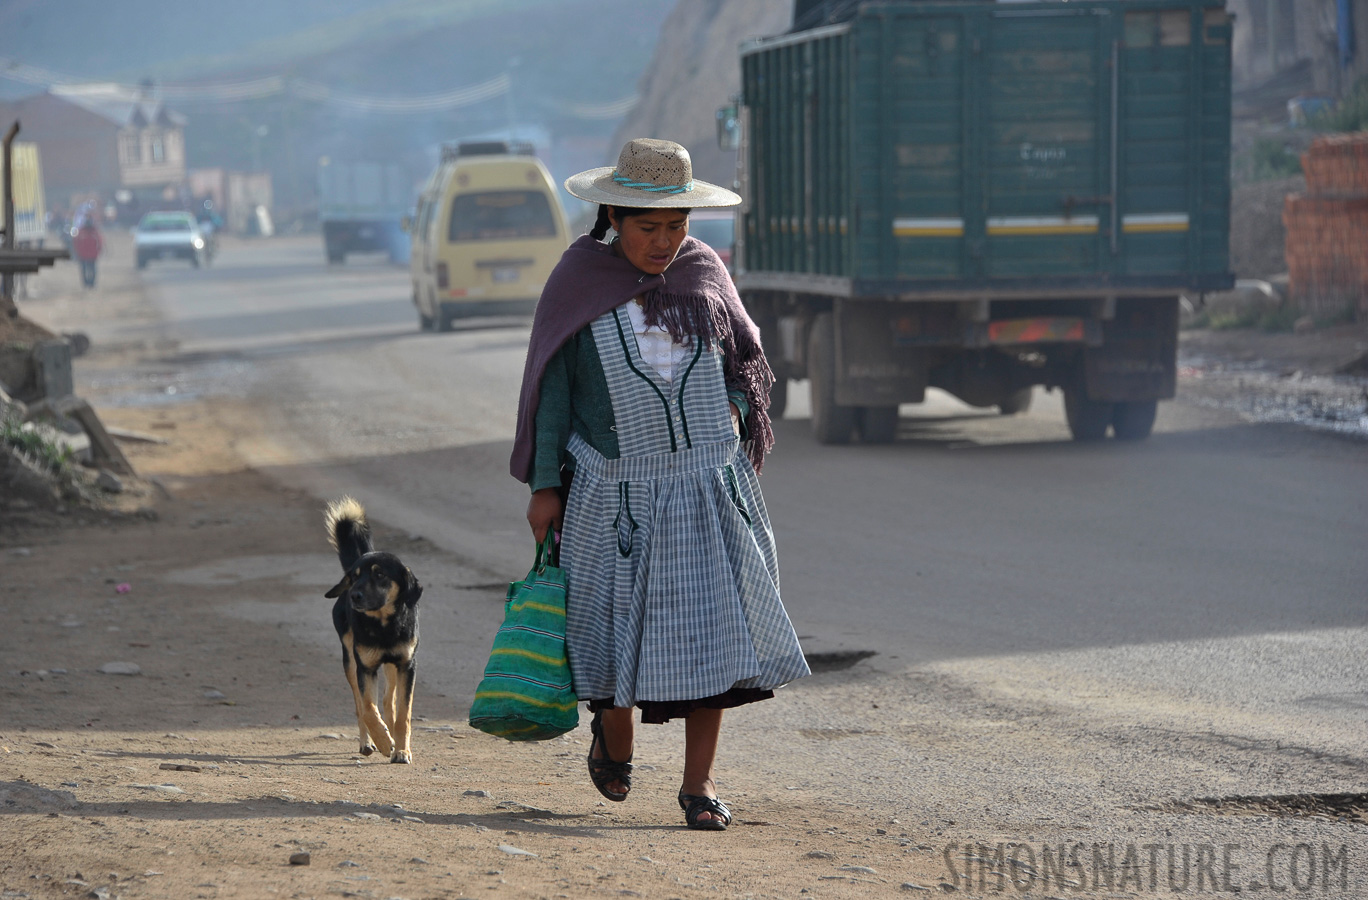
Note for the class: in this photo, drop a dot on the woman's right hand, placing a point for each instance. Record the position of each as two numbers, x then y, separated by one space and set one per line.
543 512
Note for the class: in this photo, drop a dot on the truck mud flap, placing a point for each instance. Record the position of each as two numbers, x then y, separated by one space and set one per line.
872 369
1138 359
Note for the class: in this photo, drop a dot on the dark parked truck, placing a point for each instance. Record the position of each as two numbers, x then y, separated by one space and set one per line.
983 197
361 206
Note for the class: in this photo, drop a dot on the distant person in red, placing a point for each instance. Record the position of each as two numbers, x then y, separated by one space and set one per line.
87 245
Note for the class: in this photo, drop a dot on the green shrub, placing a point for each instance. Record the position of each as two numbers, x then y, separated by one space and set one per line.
1228 320
1271 319
50 457
1279 319
1270 159
1350 114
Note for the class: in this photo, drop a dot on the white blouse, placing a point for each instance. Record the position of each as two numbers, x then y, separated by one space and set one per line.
656 346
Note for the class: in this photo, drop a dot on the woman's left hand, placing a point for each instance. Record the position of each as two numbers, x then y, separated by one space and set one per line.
735 417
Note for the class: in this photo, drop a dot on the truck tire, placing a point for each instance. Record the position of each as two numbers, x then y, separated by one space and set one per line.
877 424
778 398
1134 420
443 320
1015 402
1088 419
831 423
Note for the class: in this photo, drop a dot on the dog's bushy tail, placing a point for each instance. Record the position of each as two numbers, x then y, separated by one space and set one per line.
348 531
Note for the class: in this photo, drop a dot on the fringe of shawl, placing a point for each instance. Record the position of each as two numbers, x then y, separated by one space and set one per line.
694 315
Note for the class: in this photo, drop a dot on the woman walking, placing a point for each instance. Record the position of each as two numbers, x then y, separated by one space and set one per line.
641 425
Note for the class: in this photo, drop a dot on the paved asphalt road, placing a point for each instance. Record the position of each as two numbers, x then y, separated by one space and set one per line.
1211 581
972 534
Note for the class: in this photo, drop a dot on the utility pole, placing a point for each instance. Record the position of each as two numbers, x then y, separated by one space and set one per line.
1271 17
7 279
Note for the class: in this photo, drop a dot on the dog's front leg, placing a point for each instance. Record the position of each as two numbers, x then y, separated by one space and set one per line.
399 704
350 666
391 690
371 720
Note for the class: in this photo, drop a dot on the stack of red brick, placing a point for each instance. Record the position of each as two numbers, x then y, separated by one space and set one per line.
1327 228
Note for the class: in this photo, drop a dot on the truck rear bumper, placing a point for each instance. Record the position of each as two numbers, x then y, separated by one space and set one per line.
361 235
887 352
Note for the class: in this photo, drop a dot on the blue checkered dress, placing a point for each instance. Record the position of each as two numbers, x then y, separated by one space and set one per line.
668 552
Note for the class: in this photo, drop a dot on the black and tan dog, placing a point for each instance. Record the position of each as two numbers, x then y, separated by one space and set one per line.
376 616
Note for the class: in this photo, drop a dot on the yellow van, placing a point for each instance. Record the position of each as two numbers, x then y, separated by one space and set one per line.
487 232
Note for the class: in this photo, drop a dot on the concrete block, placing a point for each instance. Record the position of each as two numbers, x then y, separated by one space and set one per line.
52 366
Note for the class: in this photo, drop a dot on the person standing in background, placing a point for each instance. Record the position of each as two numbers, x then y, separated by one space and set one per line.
87 245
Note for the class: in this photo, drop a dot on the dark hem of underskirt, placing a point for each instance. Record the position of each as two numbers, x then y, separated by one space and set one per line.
658 712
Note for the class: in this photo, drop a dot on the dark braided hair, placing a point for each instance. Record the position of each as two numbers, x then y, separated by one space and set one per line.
602 223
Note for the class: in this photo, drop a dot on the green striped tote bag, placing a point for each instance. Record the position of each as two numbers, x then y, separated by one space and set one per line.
526 694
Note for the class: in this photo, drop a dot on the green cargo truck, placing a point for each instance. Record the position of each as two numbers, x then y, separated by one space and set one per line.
984 197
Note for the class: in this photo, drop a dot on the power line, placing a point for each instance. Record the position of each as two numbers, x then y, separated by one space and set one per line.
378 103
615 109
305 89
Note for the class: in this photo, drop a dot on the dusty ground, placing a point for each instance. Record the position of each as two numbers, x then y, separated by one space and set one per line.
1318 379
233 747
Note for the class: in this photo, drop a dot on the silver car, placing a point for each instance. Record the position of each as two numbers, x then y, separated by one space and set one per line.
170 235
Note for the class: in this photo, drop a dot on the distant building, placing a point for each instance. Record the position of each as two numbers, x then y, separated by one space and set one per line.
104 139
240 199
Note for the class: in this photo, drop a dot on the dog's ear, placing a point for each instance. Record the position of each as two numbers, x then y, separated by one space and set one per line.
340 587
412 585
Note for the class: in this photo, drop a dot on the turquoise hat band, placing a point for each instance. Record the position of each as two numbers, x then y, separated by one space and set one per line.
653 188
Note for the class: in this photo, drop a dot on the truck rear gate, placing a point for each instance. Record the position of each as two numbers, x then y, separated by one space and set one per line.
969 178
361 206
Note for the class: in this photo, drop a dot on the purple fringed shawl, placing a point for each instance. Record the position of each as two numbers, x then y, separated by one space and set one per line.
695 296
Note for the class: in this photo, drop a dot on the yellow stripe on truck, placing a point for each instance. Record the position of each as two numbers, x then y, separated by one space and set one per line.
1141 223
928 227
1003 226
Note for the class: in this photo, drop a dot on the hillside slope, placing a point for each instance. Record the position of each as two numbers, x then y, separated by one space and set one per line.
550 49
190 40
695 70
133 39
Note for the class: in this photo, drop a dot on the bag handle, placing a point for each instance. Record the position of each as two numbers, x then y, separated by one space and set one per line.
548 551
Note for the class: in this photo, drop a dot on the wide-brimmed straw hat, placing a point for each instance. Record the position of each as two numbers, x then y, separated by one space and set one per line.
650 174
